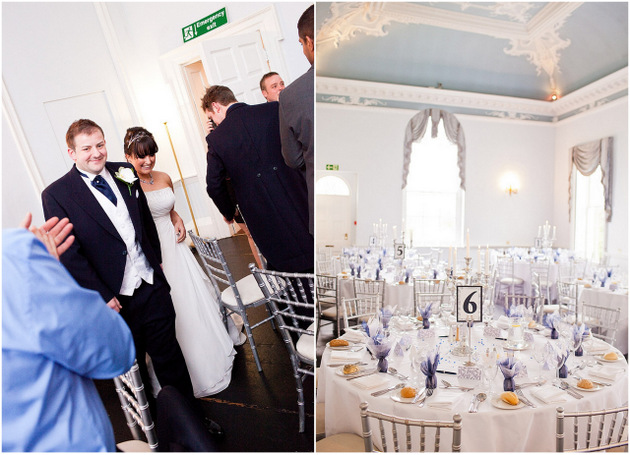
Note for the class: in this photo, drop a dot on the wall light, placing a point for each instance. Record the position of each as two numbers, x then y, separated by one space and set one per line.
510 183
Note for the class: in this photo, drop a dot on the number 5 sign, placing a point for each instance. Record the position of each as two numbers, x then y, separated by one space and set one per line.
469 303
399 250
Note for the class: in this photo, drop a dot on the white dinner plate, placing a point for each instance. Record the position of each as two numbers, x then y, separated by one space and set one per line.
601 358
362 370
498 403
595 388
341 348
398 399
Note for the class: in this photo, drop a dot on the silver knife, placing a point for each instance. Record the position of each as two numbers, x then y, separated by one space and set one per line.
420 395
343 364
389 389
361 375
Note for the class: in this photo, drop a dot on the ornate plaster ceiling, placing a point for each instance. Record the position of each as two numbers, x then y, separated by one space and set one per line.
524 50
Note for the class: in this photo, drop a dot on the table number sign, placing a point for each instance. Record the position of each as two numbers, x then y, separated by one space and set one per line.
399 250
469 303
372 241
470 373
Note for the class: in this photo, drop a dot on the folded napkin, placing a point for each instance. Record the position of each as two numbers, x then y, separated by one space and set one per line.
549 394
372 381
503 322
353 335
605 372
443 400
597 346
346 356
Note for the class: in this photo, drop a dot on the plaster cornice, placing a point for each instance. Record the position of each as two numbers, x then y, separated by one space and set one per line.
376 94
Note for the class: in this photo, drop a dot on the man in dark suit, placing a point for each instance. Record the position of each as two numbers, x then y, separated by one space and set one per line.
296 114
272 197
117 251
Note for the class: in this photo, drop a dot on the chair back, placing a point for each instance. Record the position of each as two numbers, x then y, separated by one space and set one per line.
133 401
360 310
427 291
369 288
215 264
325 267
567 297
529 301
408 424
290 297
602 321
607 432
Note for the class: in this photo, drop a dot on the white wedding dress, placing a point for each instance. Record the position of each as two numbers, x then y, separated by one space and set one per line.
205 343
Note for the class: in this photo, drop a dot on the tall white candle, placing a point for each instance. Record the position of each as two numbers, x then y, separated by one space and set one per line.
487 259
467 242
553 236
539 231
479 259
450 254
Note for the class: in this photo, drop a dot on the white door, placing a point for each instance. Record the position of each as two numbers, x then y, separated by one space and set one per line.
335 209
238 62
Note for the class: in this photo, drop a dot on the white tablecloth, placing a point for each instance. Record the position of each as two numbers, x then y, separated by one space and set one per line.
489 430
617 299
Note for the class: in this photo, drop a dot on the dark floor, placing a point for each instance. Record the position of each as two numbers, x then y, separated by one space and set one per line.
258 410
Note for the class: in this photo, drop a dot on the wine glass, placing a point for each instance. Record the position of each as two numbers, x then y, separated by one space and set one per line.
539 356
490 370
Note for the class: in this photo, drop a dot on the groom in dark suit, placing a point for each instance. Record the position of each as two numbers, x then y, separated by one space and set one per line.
117 251
271 196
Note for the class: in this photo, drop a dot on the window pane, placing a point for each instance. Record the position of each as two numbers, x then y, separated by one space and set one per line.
590 217
433 199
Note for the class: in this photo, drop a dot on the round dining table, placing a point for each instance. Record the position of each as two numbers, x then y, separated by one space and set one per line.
494 427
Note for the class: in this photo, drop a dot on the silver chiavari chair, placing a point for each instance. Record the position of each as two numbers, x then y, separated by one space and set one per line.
290 296
608 432
408 424
327 292
133 401
239 296
602 321
356 311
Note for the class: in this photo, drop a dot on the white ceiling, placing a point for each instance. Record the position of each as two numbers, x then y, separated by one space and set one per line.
515 49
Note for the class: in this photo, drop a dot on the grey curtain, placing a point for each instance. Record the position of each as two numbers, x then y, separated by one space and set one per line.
586 158
416 128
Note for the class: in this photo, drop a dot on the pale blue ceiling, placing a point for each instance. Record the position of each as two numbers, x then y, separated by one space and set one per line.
423 55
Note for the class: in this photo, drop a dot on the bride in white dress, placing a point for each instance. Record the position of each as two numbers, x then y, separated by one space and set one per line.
205 343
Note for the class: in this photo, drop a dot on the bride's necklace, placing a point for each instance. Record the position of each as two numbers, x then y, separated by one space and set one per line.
150 182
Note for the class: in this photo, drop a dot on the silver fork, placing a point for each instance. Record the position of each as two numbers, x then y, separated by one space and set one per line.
524 399
449 385
565 386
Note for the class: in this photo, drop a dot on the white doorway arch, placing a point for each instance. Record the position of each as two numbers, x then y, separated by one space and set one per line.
336 207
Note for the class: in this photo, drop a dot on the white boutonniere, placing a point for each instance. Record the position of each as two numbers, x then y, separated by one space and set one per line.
126 176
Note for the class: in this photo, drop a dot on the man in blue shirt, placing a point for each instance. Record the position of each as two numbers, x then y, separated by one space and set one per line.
56 338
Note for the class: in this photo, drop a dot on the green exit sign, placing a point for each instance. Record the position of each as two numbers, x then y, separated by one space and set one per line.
204 25
332 167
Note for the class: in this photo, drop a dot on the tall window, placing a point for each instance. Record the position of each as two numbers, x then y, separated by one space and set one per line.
434 201
590 216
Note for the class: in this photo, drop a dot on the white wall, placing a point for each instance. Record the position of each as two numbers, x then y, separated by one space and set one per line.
608 120
369 141
67 55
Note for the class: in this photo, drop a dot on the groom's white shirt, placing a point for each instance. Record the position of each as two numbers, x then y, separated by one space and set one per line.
137 267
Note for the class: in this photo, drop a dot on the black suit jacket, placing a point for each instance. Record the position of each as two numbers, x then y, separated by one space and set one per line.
272 197
98 255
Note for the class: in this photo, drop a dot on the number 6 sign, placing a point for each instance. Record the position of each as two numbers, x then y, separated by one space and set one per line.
469 303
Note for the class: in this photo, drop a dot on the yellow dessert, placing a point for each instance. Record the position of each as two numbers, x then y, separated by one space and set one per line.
401 282
419 318
338 342
510 398
611 356
585 384
408 392
587 285
350 369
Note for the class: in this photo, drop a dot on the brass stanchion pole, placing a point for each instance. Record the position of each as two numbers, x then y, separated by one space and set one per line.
181 178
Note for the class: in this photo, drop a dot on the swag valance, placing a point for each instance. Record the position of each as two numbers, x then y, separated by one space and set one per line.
417 127
586 158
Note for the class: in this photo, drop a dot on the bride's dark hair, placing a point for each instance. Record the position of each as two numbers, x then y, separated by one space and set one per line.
139 142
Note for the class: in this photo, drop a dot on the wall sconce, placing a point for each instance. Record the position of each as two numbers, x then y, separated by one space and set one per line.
510 183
